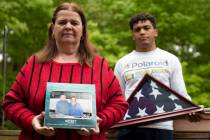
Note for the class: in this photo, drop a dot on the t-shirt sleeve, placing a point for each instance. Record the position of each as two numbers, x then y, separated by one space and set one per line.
177 80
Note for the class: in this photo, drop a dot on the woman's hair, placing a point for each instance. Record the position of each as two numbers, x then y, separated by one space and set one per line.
86 49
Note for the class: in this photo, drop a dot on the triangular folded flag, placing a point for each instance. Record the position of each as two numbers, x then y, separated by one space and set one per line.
153 101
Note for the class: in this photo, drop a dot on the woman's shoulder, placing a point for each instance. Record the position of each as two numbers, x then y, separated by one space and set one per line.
101 63
100 59
31 59
29 63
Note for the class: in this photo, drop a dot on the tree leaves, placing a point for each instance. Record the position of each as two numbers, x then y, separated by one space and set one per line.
183 27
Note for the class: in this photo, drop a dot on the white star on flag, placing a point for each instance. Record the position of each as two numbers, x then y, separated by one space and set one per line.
142 112
177 107
155 93
172 97
139 95
127 116
153 84
159 109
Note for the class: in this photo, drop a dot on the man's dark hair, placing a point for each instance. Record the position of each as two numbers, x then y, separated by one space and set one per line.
142 17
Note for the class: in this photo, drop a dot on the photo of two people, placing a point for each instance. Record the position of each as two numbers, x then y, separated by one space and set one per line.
70 105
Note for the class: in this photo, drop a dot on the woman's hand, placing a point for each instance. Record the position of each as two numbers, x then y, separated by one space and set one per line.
87 132
42 130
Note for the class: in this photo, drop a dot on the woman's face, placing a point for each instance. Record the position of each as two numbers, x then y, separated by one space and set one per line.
67 28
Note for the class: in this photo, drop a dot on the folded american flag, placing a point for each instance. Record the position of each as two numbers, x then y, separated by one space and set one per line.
153 101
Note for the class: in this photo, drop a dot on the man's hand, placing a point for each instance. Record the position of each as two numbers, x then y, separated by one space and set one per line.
42 130
194 117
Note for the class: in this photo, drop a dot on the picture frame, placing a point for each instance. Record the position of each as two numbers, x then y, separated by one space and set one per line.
71 106
153 101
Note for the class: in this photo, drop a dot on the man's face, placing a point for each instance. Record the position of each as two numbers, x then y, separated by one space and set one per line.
73 100
144 35
63 97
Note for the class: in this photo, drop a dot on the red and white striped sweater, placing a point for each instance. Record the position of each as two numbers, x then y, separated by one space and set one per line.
27 94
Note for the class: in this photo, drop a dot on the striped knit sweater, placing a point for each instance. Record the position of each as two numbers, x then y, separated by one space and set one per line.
27 94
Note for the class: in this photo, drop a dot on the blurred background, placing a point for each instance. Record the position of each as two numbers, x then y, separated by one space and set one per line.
183 27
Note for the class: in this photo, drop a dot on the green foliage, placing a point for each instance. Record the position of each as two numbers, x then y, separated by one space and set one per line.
197 81
183 27
28 22
106 44
10 125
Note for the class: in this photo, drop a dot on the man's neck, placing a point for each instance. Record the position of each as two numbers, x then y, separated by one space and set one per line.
146 48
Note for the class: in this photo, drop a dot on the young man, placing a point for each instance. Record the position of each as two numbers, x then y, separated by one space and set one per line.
148 58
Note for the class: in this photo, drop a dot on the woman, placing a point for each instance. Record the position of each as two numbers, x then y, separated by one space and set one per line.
68 57
75 109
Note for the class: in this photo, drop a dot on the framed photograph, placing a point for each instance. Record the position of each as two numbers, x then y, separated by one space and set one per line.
70 106
153 101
